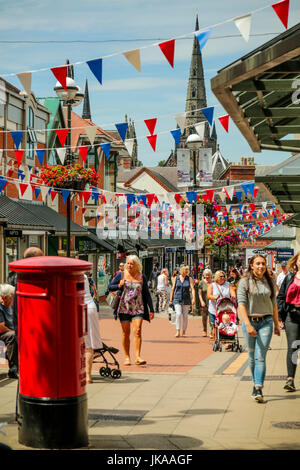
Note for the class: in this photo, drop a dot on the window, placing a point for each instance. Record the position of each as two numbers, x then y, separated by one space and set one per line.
31 136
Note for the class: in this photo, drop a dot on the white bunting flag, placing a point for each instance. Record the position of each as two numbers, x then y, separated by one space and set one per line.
91 133
180 119
61 152
129 145
243 23
200 129
134 58
230 192
25 79
44 192
222 196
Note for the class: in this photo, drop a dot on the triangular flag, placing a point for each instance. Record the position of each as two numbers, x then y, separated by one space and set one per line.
168 49
243 23
40 154
44 191
122 129
23 187
152 140
134 58
96 67
25 79
65 194
222 196
210 194
200 129
86 196
180 119
53 194
17 137
150 198
209 114
151 123
203 38
129 145
106 149
60 74
62 135
61 152
255 192
3 184
83 150
176 134
192 196
37 192
224 120
239 195
282 11
91 133
19 156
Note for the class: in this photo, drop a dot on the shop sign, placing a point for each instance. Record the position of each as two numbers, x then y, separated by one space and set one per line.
13 233
143 254
283 254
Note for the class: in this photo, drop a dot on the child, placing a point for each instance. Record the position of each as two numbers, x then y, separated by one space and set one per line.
227 327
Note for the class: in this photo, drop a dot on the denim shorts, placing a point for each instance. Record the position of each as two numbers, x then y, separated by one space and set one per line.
127 317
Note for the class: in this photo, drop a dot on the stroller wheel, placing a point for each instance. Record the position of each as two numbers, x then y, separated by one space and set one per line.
116 374
107 372
102 371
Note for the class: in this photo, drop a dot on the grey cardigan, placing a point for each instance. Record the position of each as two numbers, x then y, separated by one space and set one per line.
256 296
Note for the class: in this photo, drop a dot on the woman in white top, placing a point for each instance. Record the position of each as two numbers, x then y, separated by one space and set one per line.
93 338
218 289
162 289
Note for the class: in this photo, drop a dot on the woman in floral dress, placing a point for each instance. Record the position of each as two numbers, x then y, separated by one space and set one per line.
134 306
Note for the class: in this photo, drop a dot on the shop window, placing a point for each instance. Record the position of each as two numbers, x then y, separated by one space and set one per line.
11 251
31 135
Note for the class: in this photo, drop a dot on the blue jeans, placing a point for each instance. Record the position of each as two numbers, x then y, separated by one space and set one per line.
258 347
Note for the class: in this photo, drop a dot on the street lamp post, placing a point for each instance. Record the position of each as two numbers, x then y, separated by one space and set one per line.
71 96
194 142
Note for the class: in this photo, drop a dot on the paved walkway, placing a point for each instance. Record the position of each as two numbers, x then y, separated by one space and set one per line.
186 398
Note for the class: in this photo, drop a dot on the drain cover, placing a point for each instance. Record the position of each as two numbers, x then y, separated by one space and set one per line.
287 425
118 415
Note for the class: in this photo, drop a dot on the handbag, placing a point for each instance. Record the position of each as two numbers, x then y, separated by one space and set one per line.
295 314
113 298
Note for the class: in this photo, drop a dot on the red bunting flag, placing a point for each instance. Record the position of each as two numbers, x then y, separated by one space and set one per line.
210 194
224 120
85 195
83 150
19 156
53 194
23 187
60 73
282 11
83 210
204 197
151 123
177 197
252 207
168 49
152 140
62 135
255 192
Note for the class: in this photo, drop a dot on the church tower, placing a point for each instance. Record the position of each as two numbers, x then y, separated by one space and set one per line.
86 109
195 101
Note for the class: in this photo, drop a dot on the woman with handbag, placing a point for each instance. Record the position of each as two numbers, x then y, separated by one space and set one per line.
203 286
182 296
258 309
133 307
218 289
288 301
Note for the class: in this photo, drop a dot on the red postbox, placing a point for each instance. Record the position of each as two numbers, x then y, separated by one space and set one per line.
52 319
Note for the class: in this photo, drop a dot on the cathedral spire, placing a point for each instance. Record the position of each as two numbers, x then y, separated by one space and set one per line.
196 94
86 110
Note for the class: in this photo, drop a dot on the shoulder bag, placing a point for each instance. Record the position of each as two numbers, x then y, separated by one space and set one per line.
113 298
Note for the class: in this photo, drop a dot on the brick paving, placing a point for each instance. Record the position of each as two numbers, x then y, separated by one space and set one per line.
162 351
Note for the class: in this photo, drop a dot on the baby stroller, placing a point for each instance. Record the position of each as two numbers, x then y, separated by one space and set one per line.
107 371
228 334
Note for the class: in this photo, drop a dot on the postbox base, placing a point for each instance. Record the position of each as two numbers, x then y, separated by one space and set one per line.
47 423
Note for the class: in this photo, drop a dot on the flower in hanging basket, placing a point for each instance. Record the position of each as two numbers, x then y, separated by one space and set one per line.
71 177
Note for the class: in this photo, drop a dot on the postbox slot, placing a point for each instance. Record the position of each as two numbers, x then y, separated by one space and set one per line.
32 289
82 320
80 286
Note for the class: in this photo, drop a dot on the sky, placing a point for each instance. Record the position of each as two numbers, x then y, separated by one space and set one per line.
38 34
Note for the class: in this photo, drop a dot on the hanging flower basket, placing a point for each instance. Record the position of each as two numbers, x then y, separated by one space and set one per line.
226 236
68 177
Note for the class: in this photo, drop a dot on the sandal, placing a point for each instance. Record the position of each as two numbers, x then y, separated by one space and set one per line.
140 362
204 334
127 362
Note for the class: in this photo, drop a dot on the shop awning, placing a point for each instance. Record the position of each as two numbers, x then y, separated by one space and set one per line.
21 217
256 91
